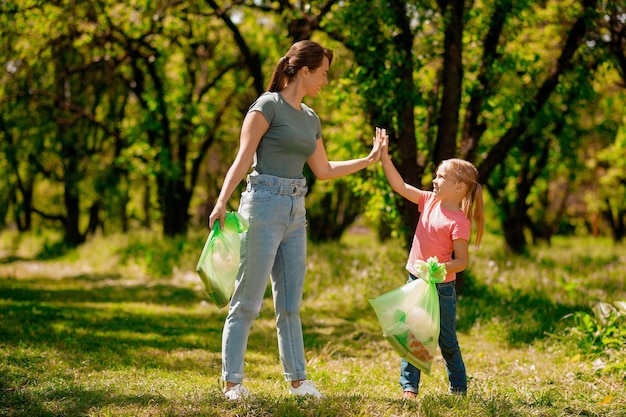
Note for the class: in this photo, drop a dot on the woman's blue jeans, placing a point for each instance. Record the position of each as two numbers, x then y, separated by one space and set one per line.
273 246
448 342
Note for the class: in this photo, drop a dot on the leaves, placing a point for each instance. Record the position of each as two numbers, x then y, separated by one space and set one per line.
601 334
154 93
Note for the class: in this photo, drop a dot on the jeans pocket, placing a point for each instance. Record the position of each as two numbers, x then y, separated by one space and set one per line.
255 202
447 290
260 196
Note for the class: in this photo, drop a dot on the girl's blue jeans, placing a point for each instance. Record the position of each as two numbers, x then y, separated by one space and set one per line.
448 342
273 246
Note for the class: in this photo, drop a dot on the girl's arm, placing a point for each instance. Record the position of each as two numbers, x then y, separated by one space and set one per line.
461 256
253 128
407 191
325 169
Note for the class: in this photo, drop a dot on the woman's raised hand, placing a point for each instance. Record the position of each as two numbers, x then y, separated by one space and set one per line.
380 141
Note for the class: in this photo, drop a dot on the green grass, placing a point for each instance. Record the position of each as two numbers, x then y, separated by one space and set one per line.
121 327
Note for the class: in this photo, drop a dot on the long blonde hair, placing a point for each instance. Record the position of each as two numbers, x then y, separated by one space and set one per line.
472 203
301 54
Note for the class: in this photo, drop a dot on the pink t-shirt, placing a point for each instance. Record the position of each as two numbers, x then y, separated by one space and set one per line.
436 229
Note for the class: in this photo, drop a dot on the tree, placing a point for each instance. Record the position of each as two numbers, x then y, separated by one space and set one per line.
59 135
133 96
133 110
387 63
506 84
184 79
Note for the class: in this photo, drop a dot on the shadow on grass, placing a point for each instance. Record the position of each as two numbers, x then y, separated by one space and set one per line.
49 337
97 288
98 321
69 400
10 259
56 308
41 337
520 317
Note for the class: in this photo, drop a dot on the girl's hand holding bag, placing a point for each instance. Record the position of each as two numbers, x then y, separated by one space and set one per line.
219 262
409 315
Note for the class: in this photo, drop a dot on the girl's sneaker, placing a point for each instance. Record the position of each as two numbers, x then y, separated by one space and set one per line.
236 393
306 388
458 390
409 394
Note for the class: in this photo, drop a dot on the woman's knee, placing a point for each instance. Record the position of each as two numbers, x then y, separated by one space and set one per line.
246 311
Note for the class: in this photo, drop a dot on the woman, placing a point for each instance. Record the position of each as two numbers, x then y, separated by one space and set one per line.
279 134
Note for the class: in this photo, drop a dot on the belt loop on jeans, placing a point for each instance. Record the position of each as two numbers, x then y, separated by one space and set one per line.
292 188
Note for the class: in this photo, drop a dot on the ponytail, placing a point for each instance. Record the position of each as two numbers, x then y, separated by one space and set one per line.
479 213
301 54
279 79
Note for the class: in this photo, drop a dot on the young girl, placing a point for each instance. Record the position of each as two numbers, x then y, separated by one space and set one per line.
444 228
279 135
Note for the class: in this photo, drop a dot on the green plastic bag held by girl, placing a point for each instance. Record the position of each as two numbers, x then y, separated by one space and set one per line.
219 262
409 315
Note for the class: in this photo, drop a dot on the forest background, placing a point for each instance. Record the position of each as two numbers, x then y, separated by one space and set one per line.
118 115
119 120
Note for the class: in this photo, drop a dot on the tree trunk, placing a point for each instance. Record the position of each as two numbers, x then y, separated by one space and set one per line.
452 78
147 212
615 219
407 161
472 128
71 196
174 205
513 227
411 172
24 214
337 210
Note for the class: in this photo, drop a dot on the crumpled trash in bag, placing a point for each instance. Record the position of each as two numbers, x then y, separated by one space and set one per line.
219 262
409 315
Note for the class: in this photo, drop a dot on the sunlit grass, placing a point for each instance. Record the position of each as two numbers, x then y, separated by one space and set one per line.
103 331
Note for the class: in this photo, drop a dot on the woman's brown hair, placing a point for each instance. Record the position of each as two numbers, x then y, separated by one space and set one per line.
301 54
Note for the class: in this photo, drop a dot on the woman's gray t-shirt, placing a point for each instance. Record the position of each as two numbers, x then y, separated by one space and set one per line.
290 139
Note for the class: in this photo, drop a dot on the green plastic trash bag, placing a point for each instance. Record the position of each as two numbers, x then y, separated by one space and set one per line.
219 262
409 315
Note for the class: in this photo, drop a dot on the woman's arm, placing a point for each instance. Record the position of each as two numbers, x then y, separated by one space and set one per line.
253 128
325 169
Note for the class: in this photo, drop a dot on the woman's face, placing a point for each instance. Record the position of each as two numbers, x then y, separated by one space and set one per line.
316 79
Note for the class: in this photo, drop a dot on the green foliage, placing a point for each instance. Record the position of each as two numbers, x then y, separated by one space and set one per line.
599 335
133 110
610 166
159 256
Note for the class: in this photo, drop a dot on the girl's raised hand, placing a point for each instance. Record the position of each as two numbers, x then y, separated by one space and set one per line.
383 141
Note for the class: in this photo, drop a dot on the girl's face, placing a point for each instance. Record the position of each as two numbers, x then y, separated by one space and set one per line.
443 185
316 79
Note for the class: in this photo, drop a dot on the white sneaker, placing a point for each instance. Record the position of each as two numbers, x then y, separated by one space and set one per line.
236 393
306 388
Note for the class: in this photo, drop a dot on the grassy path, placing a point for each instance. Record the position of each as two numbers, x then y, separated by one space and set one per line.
92 335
